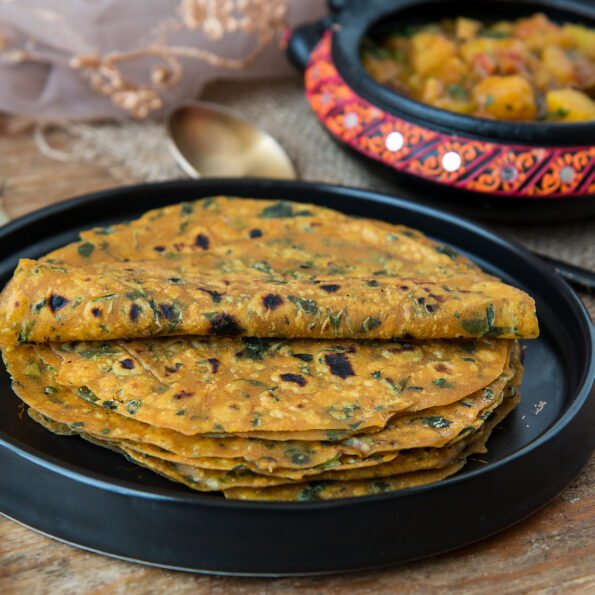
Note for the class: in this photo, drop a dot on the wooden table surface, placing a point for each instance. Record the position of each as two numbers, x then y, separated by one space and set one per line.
553 551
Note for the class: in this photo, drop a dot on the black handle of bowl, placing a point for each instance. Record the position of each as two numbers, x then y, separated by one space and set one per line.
304 38
581 279
302 42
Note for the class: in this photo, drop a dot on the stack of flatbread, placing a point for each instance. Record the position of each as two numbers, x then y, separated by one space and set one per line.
267 349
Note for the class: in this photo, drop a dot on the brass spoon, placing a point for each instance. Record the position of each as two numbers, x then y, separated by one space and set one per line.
208 140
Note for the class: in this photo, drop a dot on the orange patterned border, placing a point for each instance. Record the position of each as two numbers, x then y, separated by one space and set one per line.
478 166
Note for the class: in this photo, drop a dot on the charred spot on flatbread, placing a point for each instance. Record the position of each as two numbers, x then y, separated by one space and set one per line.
223 324
202 241
271 301
57 302
339 365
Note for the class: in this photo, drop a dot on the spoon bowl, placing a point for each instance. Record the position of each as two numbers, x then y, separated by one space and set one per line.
208 140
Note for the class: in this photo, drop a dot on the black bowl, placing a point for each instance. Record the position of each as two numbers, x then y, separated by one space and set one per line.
370 17
549 143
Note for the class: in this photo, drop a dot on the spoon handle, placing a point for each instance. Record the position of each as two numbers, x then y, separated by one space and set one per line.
579 278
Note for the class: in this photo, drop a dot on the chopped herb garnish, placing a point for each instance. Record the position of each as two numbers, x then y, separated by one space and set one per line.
282 209
263 267
484 326
305 357
457 91
311 491
87 394
435 421
255 348
447 250
37 307
342 411
335 320
188 209
308 306
26 329
559 113
252 382
132 406
86 249
369 324
109 296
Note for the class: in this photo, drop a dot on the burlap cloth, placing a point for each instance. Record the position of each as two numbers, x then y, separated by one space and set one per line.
138 152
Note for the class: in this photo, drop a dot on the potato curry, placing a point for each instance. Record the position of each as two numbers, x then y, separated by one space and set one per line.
531 69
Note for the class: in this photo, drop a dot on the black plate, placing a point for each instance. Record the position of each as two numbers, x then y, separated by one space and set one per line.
93 498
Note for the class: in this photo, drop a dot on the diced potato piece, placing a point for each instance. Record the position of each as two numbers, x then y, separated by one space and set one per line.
542 78
432 90
429 52
460 106
493 47
538 31
466 28
569 105
581 38
471 48
383 71
506 97
556 61
453 70
451 97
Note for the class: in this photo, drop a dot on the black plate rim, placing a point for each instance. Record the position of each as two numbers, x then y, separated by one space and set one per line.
77 473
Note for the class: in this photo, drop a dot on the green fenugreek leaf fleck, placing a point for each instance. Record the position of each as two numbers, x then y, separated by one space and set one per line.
37 307
369 324
282 209
26 329
86 393
335 320
446 250
305 357
308 306
436 421
187 209
86 249
132 406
